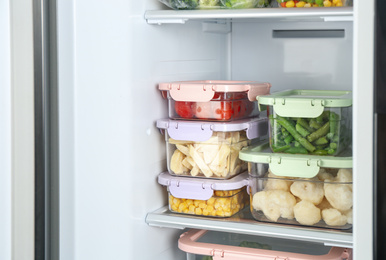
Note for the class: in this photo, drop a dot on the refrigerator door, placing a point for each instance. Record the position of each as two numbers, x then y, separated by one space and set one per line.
380 132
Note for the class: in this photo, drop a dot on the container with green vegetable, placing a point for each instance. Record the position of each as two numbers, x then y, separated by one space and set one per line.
215 4
317 122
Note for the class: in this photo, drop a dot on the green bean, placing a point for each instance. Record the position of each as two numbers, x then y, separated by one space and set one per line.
291 129
319 133
301 150
304 132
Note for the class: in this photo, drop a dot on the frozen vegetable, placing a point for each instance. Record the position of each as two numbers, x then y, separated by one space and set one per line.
218 157
245 3
338 191
306 213
192 4
320 136
185 109
274 204
277 183
334 217
311 3
310 190
329 192
222 204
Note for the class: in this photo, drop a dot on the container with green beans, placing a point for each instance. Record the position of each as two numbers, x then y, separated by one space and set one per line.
313 122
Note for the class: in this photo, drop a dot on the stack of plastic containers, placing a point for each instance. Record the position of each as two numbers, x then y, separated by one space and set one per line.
304 176
209 123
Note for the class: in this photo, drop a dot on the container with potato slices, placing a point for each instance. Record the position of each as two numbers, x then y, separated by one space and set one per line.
304 190
209 149
206 197
213 100
314 122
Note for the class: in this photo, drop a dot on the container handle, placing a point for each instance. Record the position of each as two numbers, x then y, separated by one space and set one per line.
294 167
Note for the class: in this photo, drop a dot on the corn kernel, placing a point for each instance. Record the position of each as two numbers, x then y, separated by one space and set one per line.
176 201
198 211
202 205
205 212
185 211
219 213
189 202
290 4
326 3
174 208
197 202
191 208
211 201
300 4
210 208
182 206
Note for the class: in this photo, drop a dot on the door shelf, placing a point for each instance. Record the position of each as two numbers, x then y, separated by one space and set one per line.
263 14
244 223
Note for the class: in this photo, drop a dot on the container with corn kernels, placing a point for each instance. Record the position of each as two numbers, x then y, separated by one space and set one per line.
206 197
209 149
304 190
313 3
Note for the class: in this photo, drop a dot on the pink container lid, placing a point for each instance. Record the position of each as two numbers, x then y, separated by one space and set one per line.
203 91
188 243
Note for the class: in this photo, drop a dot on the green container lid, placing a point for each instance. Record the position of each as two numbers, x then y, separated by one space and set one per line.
305 103
293 165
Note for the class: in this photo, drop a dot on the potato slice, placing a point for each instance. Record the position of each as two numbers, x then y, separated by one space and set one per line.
200 162
176 162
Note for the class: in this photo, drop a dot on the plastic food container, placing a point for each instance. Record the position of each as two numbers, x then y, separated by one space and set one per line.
213 100
208 245
215 4
304 190
209 149
314 3
309 121
203 197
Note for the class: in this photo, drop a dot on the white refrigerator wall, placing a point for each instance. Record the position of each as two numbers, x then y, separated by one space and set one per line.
5 132
110 61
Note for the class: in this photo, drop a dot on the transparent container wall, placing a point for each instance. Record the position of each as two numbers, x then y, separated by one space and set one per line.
324 201
266 243
221 204
215 4
216 158
224 106
328 134
313 3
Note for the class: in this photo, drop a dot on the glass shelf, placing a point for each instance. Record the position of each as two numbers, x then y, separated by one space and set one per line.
264 14
244 223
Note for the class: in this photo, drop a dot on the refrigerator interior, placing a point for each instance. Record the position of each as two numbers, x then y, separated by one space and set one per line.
110 60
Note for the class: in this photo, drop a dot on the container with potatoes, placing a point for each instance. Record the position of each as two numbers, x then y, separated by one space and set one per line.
303 190
206 197
209 149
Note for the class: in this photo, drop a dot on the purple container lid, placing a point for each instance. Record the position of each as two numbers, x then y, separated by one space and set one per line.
198 188
200 131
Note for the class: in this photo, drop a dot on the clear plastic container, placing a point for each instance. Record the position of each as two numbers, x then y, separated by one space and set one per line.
309 121
209 149
313 3
211 245
213 198
213 100
215 4
300 190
